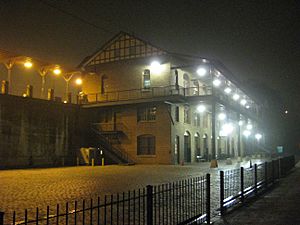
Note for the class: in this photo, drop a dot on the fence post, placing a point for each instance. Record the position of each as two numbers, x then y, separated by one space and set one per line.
1 218
242 184
149 205
222 193
255 179
208 198
266 174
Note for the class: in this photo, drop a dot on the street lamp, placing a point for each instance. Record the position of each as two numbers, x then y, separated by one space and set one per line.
201 71
43 72
227 90
258 136
26 61
78 81
67 77
201 108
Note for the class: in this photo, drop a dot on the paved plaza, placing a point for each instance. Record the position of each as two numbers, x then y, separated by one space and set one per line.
30 188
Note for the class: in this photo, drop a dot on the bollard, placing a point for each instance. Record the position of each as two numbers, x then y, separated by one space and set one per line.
69 97
1 218
50 94
93 162
4 87
102 161
29 91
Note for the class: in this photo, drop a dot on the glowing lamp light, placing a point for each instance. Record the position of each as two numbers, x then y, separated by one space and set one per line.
201 71
247 106
243 102
241 122
258 136
227 128
249 127
216 82
155 67
286 112
247 133
201 108
227 90
78 81
65 102
28 64
222 116
57 71
235 97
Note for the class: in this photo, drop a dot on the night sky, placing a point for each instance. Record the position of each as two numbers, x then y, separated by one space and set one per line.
257 40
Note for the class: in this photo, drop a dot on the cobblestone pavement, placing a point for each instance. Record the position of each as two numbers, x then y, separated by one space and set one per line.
31 188
278 207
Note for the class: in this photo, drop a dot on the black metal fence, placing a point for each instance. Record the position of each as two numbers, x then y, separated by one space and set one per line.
238 184
182 202
172 203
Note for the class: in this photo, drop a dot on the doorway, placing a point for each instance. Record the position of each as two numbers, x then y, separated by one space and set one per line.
187 147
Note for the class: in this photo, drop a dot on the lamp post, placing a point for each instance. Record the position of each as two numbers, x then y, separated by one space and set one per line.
43 72
26 61
67 77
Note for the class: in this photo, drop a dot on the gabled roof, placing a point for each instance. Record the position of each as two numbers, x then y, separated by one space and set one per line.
120 47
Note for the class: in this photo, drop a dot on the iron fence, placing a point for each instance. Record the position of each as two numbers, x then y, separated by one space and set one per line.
182 202
239 184
172 203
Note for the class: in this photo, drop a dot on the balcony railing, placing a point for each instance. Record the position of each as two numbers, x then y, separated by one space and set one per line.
135 94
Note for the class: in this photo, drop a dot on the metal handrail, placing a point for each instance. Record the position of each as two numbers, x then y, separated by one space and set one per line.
134 94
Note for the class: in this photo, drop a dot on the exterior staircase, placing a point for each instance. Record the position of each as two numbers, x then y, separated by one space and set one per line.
106 140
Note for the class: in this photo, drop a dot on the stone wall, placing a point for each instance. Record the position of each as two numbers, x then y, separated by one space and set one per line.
35 132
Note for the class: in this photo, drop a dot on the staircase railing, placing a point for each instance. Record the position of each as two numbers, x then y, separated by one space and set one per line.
104 142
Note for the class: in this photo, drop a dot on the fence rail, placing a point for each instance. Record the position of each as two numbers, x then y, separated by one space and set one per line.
182 202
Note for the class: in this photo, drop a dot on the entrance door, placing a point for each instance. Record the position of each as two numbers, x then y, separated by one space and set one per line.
187 147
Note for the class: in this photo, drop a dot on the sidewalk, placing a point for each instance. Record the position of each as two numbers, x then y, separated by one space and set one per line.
280 206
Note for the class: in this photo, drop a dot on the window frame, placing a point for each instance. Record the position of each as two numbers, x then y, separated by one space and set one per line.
146 145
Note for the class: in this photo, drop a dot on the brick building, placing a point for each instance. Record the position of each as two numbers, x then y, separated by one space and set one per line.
152 106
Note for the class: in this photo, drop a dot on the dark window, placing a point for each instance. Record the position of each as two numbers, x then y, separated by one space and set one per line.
146 145
187 116
177 113
146 113
146 79
196 119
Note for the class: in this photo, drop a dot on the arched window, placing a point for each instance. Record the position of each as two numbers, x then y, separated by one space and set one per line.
146 144
146 79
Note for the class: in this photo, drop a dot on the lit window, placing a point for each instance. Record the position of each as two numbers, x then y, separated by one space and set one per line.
146 79
146 113
146 145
